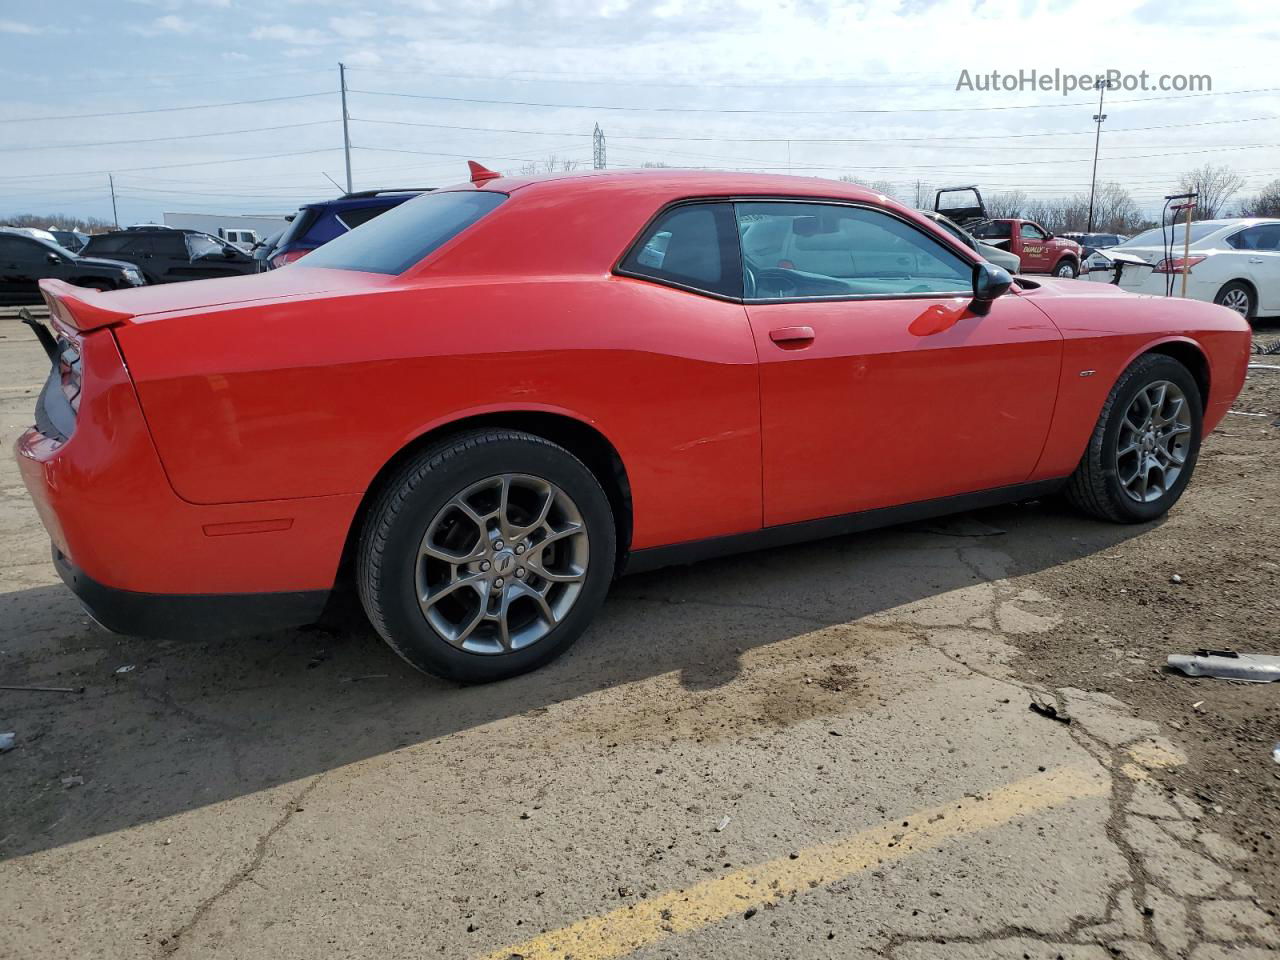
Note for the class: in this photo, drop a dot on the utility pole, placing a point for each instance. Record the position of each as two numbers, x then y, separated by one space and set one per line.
1097 139
597 149
114 216
346 131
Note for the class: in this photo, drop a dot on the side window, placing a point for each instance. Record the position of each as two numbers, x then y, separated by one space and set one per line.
692 245
17 250
993 230
27 251
1029 231
201 246
1265 237
813 250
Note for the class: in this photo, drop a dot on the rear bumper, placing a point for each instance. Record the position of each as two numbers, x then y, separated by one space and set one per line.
139 555
190 616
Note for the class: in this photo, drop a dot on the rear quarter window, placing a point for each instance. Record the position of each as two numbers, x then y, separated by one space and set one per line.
402 236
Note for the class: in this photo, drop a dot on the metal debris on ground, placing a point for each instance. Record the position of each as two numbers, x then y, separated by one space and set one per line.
127 668
69 782
1275 753
43 689
7 741
1227 665
1047 709
724 822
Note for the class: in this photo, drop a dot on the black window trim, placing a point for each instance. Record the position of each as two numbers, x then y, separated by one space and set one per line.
965 253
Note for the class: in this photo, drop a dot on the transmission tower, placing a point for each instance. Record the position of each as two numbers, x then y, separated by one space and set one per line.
597 148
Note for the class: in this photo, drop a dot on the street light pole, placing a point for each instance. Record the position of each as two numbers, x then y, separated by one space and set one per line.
1097 140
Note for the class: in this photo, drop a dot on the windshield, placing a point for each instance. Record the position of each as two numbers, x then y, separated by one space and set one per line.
1157 237
60 250
402 236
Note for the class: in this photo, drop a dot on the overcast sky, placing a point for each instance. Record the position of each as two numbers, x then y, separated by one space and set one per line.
687 84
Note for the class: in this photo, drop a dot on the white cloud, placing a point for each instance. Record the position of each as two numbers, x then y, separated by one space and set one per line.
13 26
169 23
353 28
284 33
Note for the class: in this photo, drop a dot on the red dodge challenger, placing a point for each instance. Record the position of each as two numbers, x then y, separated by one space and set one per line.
486 403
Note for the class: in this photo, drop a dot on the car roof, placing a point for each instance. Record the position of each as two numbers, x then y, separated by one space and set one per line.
682 183
366 198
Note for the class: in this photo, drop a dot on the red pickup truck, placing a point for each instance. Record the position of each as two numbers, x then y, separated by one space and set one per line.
1039 250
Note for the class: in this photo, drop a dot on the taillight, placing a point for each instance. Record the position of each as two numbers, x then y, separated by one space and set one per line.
70 372
280 259
1175 264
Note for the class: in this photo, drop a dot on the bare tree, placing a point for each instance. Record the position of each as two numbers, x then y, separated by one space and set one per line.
1007 203
552 164
1265 203
1114 210
1216 185
58 221
876 186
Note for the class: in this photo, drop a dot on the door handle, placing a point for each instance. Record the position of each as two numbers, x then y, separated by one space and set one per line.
791 334
1256 260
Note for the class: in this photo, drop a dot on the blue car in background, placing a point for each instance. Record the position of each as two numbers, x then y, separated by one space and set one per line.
315 224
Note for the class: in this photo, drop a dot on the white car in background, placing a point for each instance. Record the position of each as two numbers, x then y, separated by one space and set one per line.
1235 263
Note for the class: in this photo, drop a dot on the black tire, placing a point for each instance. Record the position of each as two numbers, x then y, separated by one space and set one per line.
396 524
1072 270
1095 488
1235 290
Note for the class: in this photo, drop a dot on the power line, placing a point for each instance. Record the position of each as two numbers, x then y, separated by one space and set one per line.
170 166
791 111
781 85
731 139
189 136
194 106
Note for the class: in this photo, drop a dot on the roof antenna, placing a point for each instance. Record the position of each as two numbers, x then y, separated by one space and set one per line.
481 174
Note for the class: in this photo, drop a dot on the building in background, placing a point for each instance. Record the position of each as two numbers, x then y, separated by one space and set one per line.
241 229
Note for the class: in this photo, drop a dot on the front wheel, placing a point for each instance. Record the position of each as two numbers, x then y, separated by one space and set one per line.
1066 269
1144 448
486 555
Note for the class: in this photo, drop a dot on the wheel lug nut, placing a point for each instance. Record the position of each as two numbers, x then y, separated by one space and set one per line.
520 549
497 545
498 582
520 572
484 565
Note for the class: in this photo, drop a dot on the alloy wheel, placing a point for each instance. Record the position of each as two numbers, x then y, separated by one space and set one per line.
1153 442
502 563
1237 300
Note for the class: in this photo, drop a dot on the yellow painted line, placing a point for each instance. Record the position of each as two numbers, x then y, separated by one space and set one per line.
627 929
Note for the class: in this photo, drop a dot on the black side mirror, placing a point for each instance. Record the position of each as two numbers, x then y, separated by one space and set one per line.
989 282
230 252
53 258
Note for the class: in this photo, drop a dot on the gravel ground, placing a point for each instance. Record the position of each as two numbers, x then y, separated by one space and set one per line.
825 751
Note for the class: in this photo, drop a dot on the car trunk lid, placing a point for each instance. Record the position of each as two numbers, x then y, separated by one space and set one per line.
86 309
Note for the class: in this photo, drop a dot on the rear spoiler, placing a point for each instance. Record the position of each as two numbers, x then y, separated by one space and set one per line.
79 308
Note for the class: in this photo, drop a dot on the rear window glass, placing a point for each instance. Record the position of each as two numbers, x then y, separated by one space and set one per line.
402 236
354 217
1158 236
692 245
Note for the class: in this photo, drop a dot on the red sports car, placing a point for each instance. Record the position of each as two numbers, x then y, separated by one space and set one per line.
486 403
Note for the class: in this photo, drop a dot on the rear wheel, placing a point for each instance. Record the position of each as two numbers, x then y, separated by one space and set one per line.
1237 296
1066 268
486 555
1145 445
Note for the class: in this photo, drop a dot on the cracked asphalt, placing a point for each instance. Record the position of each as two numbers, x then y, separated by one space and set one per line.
822 751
